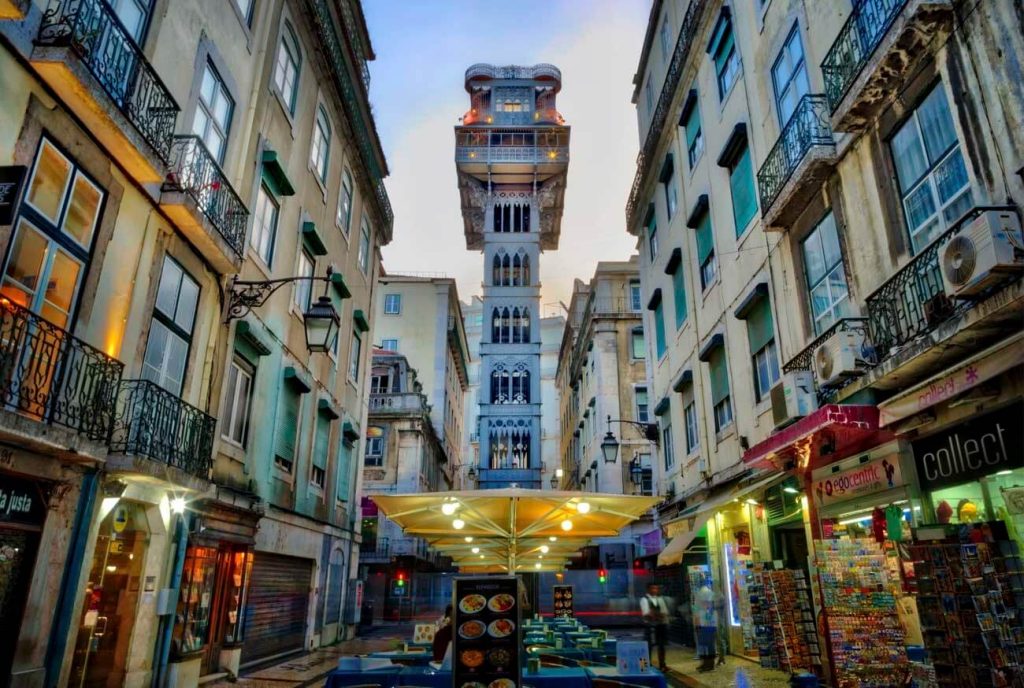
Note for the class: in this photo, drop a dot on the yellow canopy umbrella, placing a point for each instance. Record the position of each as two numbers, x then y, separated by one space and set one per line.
512 530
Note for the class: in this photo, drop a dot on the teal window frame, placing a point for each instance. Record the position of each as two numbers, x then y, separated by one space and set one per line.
742 190
659 329
679 295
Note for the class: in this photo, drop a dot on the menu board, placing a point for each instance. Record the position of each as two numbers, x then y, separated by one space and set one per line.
563 601
485 642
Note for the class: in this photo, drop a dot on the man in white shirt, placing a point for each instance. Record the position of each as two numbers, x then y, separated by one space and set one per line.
654 611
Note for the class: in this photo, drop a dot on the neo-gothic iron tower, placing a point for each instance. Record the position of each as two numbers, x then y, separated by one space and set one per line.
512 153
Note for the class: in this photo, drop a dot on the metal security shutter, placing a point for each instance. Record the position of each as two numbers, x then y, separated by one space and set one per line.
275 616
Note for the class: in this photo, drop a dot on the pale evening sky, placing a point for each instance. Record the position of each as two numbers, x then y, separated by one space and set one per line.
423 48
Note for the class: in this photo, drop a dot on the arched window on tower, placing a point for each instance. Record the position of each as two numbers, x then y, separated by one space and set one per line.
517 270
506 270
510 387
496 269
509 446
525 271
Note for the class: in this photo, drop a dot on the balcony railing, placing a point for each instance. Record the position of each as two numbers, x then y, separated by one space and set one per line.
93 31
48 374
807 127
644 160
524 154
398 401
857 40
154 423
805 359
913 301
194 171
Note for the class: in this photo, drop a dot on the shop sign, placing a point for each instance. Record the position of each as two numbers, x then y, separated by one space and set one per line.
563 601
21 501
978 447
11 179
866 478
486 632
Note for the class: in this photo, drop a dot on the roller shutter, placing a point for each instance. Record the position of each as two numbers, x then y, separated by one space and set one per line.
275 616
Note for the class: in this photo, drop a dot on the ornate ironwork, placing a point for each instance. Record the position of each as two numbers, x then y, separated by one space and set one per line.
154 423
863 31
644 164
51 376
537 71
93 31
245 295
805 359
808 126
355 38
913 301
335 53
193 170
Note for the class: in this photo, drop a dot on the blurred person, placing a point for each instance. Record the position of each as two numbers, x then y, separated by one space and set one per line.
654 610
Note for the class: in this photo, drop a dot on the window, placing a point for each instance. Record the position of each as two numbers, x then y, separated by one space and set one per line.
720 388
512 217
789 76
706 260
53 234
640 394
389 345
374 451
320 152
652 236
679 294
134 15
245 8
364 245
170 333
237 398
639 347
649 97
727 59
741 184
304 288
636 302
510 386
826 278
671 192
345 201
354 356
286 432
392 304
316 477
510 325
213 113
286 70
761 337
646 474
321 450
692 431
934 186
380 382
264 225
666 38
666 446
694 136
659 329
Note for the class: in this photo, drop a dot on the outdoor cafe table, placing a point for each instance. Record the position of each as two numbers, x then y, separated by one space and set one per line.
408 658
385 677
427 677
652 678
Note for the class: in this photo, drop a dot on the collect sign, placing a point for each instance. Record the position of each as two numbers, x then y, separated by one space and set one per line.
11 179
21 501
866 478
978 447
485 632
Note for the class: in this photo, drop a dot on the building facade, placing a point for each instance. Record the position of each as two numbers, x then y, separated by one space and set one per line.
840 224
136 190
511 156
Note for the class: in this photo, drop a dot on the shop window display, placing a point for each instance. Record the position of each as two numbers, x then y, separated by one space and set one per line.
192 618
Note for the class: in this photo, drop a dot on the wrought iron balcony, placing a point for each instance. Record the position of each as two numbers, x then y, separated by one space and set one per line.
51 376
805 359
154 423
798 162
92 30
194 171
876 47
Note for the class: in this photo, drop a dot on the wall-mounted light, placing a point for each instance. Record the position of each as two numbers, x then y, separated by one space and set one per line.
178 505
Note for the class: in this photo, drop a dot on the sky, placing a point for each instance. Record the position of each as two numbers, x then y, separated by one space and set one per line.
423 48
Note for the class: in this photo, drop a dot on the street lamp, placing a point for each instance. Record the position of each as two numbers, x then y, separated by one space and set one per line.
321 320
636 470
610 445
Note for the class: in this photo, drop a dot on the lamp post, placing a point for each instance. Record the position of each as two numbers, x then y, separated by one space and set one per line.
610 445
321 320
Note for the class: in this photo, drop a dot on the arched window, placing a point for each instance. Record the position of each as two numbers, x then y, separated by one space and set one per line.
510 387
496 269
506 271
509 447
500 386
517 266
526 270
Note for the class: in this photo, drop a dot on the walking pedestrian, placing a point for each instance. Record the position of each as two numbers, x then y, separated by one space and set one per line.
654 610
705 615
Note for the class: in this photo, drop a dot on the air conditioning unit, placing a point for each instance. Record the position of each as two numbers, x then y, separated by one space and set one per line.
982 253
793 397
838 357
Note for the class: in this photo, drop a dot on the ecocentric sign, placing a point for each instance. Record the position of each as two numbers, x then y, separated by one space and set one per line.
866 478
973 449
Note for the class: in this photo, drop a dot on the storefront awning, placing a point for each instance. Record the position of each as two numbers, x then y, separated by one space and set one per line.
834 431
684 529
973 372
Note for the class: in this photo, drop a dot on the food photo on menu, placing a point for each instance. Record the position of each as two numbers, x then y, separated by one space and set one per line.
486 651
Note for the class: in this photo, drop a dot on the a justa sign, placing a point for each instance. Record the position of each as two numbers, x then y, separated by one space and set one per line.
21 501
11 179
973 449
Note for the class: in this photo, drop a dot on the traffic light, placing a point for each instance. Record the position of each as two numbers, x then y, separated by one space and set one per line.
401 579
602 576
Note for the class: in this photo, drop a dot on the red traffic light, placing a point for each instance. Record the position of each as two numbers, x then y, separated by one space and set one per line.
401 579
602 575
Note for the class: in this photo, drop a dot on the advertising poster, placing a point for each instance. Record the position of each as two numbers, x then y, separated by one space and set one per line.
485 642
563 601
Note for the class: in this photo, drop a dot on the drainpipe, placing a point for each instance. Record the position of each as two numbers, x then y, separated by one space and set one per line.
166 627
62 617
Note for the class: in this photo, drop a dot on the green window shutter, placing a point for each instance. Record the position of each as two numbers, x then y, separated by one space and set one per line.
679 295
724 41
759 326
692 126
705 242
659 328
719 375
287 430
741 183
344 470
323 439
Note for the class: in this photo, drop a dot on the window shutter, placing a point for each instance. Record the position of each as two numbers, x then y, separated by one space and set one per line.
741 183
679 295
759 326
288 423
659 327
344 470
705 242
692 126
723 44
719 375
323 437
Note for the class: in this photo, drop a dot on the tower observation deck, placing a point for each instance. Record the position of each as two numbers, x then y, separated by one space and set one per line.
511 155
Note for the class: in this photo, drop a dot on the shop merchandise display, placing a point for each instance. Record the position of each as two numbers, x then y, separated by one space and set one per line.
971 606
864 629
782 617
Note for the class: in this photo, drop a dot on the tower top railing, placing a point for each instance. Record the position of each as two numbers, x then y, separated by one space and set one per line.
541 71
